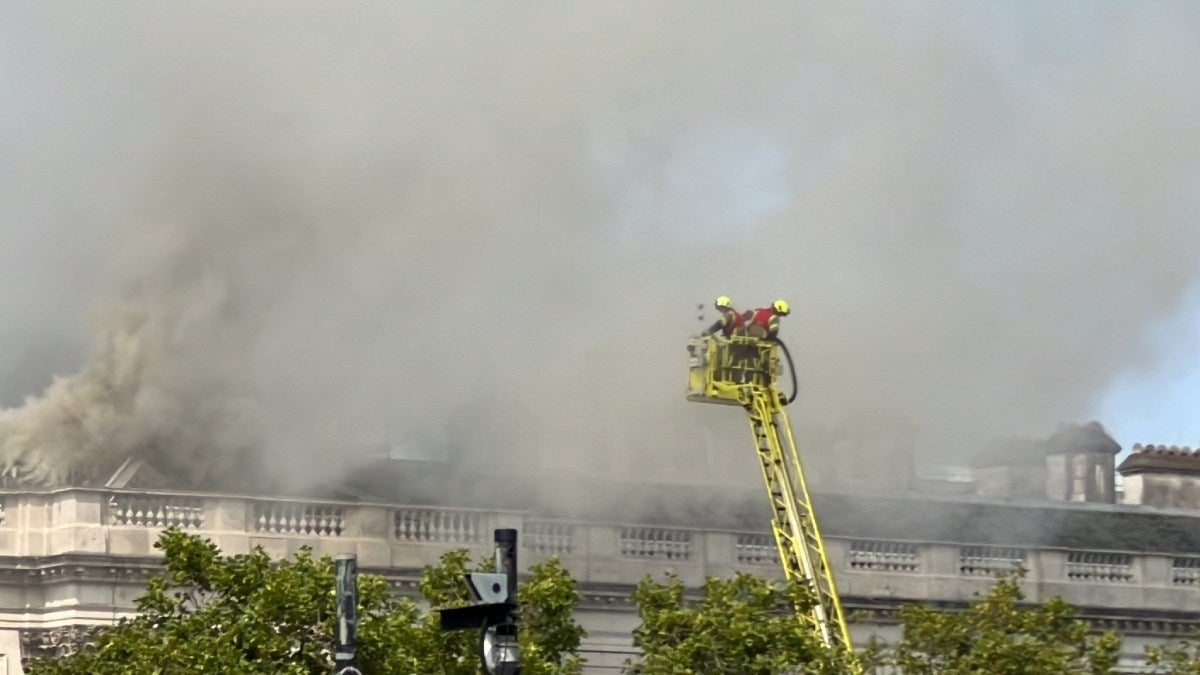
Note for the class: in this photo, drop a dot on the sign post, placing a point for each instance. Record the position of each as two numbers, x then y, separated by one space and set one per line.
494 613
345 651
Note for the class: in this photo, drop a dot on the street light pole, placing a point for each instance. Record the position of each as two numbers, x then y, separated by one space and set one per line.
494 612
503 657
345 652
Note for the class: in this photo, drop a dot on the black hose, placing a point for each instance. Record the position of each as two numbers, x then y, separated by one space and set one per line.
791 369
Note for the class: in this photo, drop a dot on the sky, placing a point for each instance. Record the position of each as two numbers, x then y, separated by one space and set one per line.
285 235
1156 404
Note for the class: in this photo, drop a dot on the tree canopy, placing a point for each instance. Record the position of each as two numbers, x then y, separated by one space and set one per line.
1181 657
999 633
246 613
211 613
745 624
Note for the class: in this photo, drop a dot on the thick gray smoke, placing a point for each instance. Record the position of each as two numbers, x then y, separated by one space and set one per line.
482 230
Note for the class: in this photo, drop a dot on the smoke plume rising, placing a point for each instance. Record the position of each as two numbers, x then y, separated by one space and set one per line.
311 230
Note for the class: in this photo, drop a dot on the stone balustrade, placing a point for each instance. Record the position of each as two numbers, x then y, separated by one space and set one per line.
657 543
988 561
756 549
456 527
546 537
318 520
124 524
1185 571
155 511
1100 567
885 556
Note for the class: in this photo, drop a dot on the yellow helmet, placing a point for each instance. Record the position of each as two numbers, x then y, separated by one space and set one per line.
723 302
781 307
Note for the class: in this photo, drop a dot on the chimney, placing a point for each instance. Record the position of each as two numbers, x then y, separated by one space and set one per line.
1075 464
1010 469
1079 464
1157 475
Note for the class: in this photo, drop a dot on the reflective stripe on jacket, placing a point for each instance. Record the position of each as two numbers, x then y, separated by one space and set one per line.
731 321
766 319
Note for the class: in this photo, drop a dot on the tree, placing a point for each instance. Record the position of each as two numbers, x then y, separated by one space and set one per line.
745 625
549 637
1179 658
998 634
210 613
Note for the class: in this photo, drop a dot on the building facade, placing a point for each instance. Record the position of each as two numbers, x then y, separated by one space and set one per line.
77 557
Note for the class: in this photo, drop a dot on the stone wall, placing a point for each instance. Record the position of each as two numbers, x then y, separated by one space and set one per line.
79 557
1163 476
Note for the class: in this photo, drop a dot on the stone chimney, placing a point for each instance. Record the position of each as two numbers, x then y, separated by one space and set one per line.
1080 464
1075 464
1157 475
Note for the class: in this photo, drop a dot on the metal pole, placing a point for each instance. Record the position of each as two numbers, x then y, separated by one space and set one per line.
506 559
345 661
506 563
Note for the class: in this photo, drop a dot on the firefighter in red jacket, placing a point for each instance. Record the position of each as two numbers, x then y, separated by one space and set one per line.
763 323
731 321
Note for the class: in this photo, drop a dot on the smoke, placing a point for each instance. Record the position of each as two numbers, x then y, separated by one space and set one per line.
304 232
165 383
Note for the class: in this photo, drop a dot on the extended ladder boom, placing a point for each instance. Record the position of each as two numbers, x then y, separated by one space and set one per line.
742 371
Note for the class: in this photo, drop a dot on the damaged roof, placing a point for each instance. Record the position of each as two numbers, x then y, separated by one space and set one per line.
896 517
1044 524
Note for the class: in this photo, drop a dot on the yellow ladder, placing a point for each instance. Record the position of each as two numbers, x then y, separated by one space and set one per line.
801 548
741 371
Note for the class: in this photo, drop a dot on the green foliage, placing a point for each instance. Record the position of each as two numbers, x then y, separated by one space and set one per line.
210 613
998 634
549 637
744 625
1180 658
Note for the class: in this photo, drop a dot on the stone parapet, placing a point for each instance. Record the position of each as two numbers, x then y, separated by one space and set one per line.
78 557
123 524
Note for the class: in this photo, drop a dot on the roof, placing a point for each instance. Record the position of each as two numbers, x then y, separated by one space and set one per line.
1161 459
1074 439
1042 524
1069 439
897 517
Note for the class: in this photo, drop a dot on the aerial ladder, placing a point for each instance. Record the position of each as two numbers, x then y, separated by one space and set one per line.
743 371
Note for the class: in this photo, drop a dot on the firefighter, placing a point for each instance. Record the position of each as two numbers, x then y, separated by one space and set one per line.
729 324
731 321
763 323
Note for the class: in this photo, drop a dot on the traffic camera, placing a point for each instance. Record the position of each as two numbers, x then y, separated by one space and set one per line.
494 613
